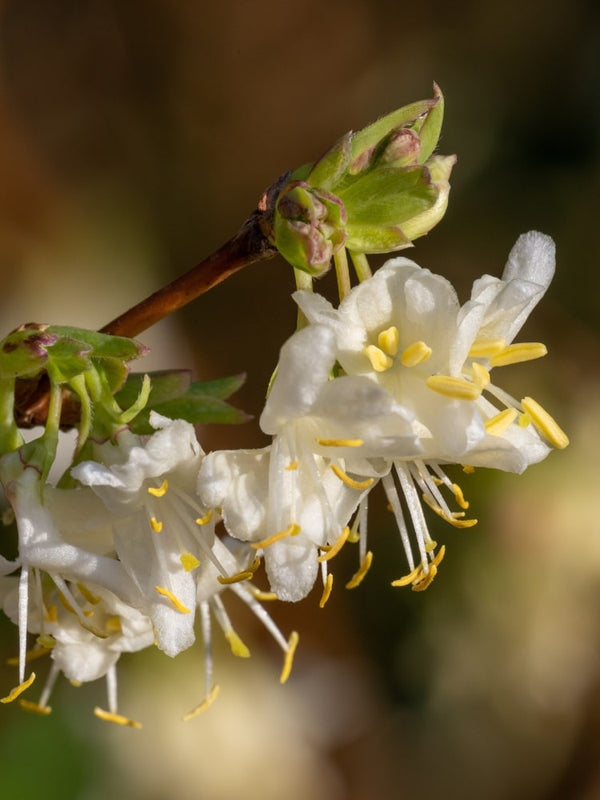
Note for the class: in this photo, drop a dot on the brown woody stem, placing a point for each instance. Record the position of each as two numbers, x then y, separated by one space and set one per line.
248 246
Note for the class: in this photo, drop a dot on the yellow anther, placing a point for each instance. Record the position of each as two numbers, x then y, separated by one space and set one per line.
326 590
430 546
358 576
92 598
340 442
292 466
289 657
291 530
177 604
415 353
189 561
459 496
481 375
113 625
75 684
388 340
425 581
204 705
156 525
264 597
406 580
545 424
379 361
65 603
205 519
118 719
350 481
238 648
51 613
500 423
46 642
484 348
354 535
524 420
335 548
227 580
456 388
31 655
516 353
468 469
14 693
455 519
36 708
161 491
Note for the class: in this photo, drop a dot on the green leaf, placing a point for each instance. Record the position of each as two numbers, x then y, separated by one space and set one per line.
166 385
102 345
329 167
388 196
371 135
221 387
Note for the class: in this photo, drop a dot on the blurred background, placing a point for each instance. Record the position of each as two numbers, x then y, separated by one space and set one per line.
135 137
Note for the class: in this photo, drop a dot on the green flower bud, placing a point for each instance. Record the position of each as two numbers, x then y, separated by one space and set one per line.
374 191
309 226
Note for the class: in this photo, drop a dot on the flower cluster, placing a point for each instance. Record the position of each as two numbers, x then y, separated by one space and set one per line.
389 387
144 535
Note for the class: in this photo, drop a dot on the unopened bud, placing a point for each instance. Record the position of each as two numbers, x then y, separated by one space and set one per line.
374 191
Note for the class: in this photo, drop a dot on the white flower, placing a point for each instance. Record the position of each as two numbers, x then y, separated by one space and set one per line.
149 488
295 498
43 548
405 331
84 628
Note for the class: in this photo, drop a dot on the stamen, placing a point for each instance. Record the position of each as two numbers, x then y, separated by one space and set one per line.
350 481
457 388
204 705
189 561
51 613
36 708
156 525
335 548
405 580
358 576
30 655
118 719
245 575
263 596
545 424
289 657
292 530
92 598
379 361
480 374
516 353
484 348
204 520
292 466
500 423
340 442
468 469
415 353
14 693
238 648
456 517
388 340
326 590
459 496
161 491
177 604
426 581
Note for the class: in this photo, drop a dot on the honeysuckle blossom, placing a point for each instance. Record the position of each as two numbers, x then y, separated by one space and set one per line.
405 331
44 554
295 498
158 524
84 628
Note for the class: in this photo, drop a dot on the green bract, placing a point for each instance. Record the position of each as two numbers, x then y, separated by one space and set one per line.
374 191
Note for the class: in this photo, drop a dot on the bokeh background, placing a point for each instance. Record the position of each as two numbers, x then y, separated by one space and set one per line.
135 137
